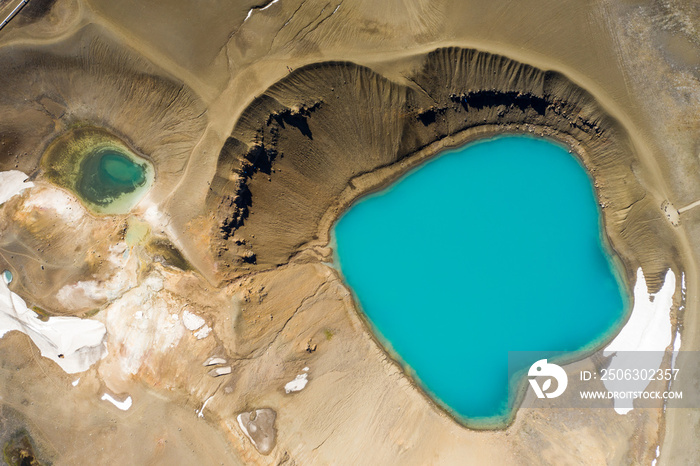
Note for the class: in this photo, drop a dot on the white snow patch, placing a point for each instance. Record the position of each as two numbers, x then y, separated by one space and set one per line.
75 382
202 332
297 384
250 12
676 348
64 205
245 431
658 451
649 325
133 340
200 411
192 321
214 361
219 371
123 405
648 329
677 340
155 218
73 343
123 279
683 283
12 183
269 5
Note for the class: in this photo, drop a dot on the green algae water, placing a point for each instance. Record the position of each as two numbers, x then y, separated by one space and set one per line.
107 174
99 168
491 248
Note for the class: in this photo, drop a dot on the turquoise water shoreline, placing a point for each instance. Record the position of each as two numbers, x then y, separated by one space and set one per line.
440 340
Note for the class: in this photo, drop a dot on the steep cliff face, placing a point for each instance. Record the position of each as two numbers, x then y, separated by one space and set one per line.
293 151
298 146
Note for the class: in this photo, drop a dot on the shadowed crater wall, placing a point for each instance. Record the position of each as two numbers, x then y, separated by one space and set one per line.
289 167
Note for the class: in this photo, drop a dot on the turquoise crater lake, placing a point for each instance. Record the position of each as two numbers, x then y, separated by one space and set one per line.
107 174
490 248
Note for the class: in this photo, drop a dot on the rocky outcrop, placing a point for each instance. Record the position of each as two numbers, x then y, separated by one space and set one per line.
259 426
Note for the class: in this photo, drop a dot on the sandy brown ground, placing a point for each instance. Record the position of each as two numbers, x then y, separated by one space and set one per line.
173 80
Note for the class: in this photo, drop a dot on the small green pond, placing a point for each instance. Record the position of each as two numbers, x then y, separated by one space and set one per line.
106 175
100 169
